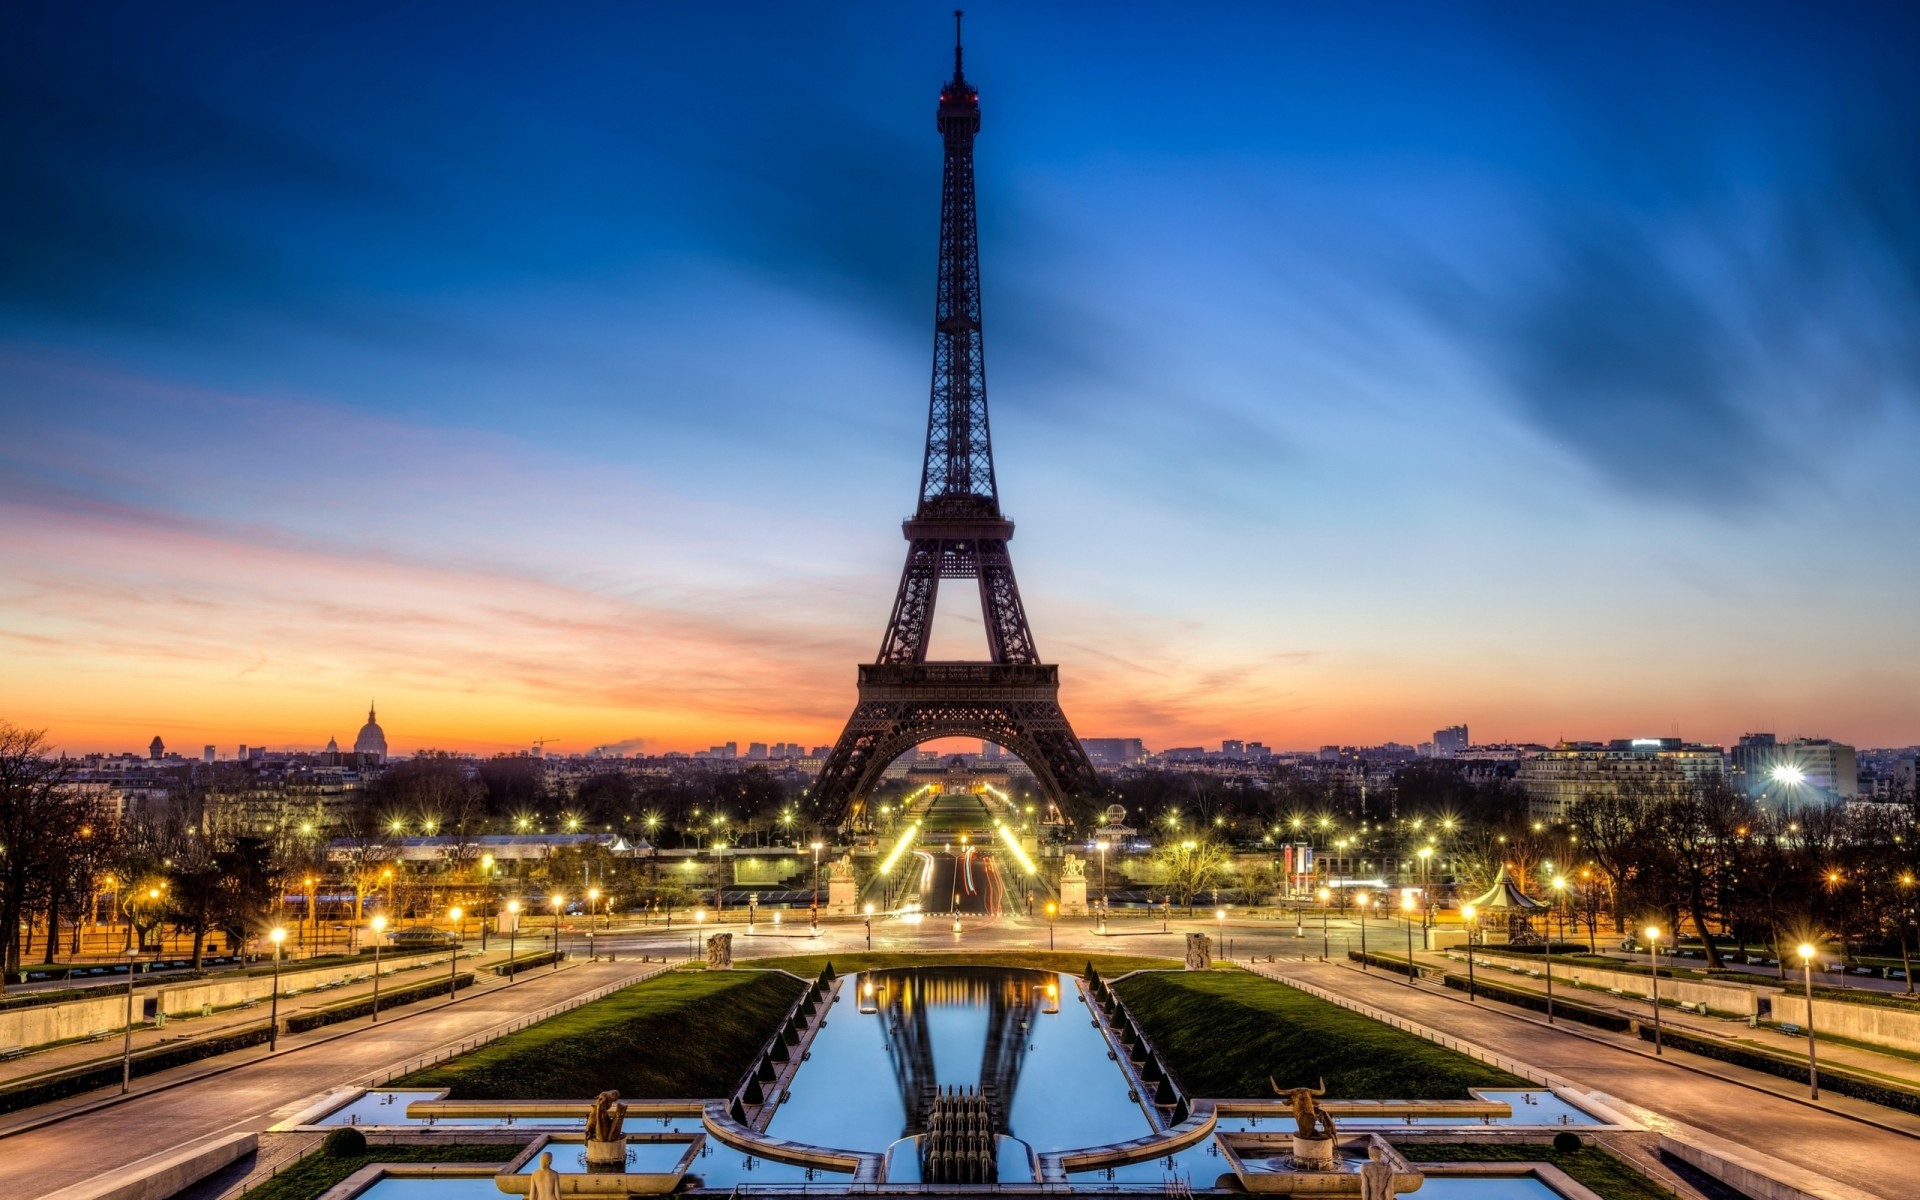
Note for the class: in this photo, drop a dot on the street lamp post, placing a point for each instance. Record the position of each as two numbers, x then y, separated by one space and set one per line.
1406 915
1653 957
869 926
453 956
513 935
486 871
1102 844
379 924
1559 889
1467 914
559 902
126 1043
278 935
817 847
1051 909
1362 899
1813 1065
1326 944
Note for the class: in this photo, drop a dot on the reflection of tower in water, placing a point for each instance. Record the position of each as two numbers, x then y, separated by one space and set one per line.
1010 1000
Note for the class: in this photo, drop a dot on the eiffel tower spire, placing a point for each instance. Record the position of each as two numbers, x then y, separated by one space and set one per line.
957 532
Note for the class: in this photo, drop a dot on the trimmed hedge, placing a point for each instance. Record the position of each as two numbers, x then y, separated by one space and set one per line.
85 1079
1873 1091
528 962
1571 1010
1610 1178
1537 1002
54 996
364 1006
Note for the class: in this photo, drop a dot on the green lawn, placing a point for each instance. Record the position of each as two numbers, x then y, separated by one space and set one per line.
1610 1178
1224 1032
808 965
681 1035
314 1174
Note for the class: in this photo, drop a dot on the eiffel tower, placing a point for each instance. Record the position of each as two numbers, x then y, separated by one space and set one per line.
957 532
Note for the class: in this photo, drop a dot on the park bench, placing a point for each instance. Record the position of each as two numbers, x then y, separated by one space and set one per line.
1533 973
1616 992
99 1035
9 1053
1790 1029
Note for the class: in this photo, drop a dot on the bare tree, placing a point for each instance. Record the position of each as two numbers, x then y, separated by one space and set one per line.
39 816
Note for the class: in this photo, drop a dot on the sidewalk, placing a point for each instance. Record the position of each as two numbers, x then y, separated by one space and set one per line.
179 1029
1866 1061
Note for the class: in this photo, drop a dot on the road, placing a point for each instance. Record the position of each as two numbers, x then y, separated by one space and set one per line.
267 1090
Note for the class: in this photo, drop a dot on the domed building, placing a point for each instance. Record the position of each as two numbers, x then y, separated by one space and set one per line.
372 740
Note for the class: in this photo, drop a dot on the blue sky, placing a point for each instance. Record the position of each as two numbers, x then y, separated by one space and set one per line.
1355 370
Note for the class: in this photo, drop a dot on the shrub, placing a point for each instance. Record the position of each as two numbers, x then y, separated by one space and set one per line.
528 962
344 1143
364 1006
1873 1091
85 1079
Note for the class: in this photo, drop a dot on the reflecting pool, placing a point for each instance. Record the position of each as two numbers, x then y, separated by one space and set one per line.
892 1038
390 1108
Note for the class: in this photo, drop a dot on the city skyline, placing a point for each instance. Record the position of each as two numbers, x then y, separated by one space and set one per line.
1436 392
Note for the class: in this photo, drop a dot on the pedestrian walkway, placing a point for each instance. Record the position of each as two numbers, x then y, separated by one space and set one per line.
1858 1058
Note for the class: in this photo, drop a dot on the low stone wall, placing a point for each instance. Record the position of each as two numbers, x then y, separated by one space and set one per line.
1872 1023
223 993
163 1175
38 1024
1742 1000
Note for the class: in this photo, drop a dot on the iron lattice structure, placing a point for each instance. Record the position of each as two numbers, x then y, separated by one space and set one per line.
957 532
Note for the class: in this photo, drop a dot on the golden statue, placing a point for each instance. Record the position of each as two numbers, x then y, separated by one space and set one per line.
1312 1119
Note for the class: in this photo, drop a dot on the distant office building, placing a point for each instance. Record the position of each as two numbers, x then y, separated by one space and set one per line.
241 753
207 754
756 752
1802 769
989 750
1557 779
1449 742
1114 752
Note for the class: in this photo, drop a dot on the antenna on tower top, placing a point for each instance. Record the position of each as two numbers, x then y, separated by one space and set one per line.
957 14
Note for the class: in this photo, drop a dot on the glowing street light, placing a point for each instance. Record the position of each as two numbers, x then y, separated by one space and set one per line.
513 935
454 915
1653 957
379 924
1813 1067
278 936
1051 909
1467 913
558 902
1361 898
